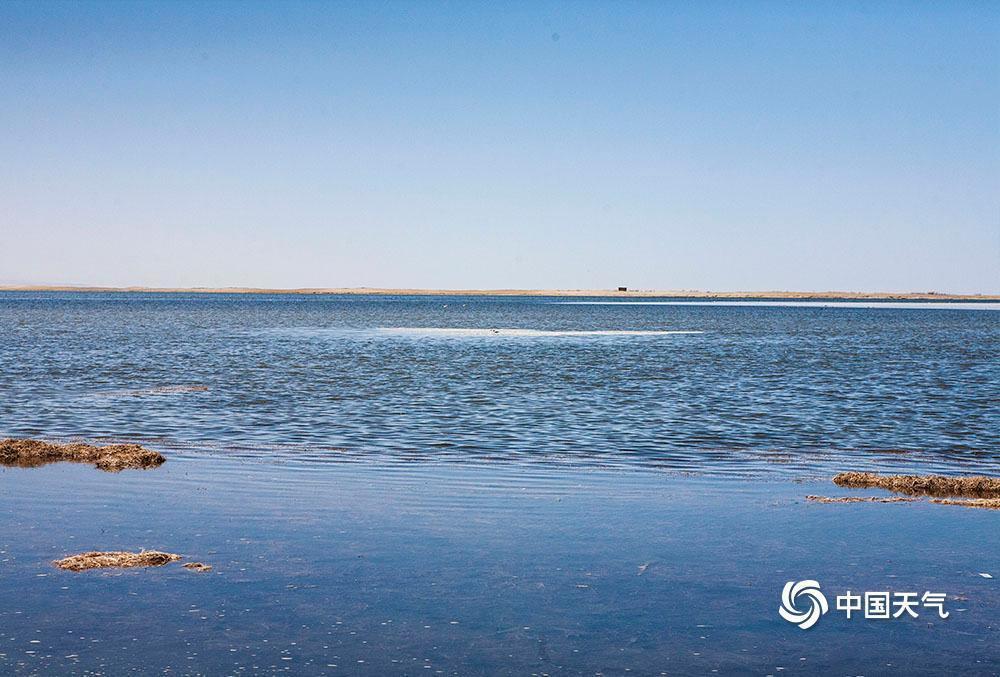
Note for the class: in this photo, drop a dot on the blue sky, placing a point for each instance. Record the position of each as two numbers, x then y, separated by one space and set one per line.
709 145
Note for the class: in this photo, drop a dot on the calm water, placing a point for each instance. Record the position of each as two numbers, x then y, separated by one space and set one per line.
444 568
321 377
534 486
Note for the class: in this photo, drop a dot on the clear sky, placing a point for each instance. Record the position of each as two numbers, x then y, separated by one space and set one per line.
710 145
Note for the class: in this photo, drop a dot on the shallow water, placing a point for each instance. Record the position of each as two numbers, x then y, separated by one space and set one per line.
528 379
492 485
445 568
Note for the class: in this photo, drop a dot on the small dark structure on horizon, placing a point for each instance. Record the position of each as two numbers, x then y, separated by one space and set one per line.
622 288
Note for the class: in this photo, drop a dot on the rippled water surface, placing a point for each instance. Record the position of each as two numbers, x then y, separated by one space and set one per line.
525 486
708 387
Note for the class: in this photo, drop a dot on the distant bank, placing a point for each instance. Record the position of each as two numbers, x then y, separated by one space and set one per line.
618 293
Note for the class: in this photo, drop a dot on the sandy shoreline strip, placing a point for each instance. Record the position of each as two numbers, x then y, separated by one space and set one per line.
639 293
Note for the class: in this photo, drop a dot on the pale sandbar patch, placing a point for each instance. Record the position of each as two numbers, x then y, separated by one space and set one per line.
156 390
528 333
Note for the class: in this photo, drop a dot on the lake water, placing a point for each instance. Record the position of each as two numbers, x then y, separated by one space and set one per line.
707 387
469 485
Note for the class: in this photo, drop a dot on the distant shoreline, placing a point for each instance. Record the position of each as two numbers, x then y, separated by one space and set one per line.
611 293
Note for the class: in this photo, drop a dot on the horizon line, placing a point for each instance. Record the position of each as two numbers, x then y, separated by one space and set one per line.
611 292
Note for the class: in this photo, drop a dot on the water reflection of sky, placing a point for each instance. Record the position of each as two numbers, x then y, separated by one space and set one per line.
475 569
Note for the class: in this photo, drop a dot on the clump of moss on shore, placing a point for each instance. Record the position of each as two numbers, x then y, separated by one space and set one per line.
110 458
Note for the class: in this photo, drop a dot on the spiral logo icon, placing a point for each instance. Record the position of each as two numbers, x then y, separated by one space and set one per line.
809 591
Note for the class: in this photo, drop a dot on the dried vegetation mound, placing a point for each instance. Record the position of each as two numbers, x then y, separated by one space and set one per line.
111 458
988 503
115 560
860 499
923 485
200 567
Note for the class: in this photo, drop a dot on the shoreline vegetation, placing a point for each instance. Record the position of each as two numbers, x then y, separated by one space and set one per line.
610 293
110 458
938 486
976 491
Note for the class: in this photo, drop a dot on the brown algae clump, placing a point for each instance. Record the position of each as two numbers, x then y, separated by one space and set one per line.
860 499
111 458
200 567
115 560
987 503
923 485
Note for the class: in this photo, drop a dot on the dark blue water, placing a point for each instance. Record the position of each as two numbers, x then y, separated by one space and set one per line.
534 487
318 377
461 569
